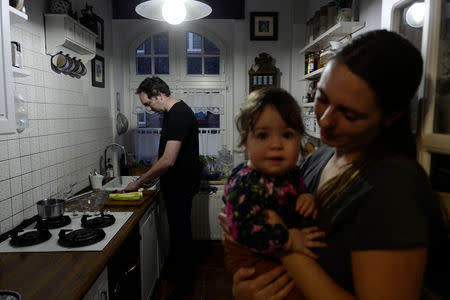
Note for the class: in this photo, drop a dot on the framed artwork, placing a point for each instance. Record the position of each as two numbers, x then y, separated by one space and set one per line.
100 32
263 26
98 71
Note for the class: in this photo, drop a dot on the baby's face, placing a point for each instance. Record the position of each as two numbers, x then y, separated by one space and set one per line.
272 146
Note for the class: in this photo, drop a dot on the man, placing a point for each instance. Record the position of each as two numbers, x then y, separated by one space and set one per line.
178 167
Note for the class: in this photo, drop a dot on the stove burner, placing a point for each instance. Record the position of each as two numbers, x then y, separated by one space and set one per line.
29 238
80 237
53 223
98 222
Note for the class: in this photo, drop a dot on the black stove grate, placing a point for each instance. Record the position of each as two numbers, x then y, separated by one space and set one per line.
53 223
101 221
80 237
29 238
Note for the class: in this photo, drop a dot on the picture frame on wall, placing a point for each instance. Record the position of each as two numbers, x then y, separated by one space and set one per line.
100 26
98 71
264 26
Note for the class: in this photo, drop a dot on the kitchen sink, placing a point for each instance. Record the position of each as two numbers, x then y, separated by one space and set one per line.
115 184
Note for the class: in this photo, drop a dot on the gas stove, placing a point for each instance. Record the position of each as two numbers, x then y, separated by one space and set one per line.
81 232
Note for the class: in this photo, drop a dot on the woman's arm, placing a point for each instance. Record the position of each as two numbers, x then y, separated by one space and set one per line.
377 274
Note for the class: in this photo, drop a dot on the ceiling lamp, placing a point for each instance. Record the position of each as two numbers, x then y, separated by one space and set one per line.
173 11
415 15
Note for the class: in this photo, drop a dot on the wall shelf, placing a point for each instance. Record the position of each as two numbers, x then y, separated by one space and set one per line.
313 134
313 75
310 104
16 16
335 33
62 33
20 72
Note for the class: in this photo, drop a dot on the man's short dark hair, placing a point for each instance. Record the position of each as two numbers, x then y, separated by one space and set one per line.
152 86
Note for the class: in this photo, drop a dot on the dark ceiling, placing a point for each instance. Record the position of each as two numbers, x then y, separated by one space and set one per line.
221 9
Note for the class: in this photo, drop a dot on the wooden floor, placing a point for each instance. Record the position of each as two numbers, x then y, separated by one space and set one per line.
212 282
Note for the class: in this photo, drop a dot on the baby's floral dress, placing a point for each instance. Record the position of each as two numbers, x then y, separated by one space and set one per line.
247 193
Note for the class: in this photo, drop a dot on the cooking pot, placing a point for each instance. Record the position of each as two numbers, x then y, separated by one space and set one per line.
50 208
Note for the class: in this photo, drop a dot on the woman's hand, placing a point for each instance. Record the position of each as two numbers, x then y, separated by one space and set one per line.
273 285
306 205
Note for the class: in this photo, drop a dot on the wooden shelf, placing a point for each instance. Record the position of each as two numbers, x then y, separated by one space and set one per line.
313 134
335 33
20 72
16 16
310 104
313 75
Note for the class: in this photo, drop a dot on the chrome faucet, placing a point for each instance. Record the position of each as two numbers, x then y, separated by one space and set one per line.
124 154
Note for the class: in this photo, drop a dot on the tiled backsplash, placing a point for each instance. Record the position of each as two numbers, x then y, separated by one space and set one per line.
65 138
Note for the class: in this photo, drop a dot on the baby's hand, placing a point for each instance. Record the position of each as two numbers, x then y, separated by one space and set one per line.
306 205
300 240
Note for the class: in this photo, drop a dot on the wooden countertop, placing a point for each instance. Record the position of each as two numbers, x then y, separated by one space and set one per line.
63 275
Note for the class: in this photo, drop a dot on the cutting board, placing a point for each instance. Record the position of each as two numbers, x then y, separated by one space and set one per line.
146 193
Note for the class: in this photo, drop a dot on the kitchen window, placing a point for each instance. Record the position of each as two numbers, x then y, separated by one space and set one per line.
202 55
152 56
196 75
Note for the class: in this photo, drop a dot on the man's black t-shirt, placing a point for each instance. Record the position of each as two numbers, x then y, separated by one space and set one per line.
180 124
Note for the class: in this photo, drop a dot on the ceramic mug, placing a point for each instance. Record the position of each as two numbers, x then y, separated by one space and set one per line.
59 62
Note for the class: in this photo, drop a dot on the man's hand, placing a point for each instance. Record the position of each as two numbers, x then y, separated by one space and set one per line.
300 240
132 186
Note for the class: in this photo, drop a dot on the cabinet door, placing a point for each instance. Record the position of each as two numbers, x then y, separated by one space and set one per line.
7 117
149 254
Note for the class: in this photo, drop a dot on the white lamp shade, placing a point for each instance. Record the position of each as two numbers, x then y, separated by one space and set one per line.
415 15
152 9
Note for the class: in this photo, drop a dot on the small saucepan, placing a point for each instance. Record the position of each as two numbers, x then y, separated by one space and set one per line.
50 208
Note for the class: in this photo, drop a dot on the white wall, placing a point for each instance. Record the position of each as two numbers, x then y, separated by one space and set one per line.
70 123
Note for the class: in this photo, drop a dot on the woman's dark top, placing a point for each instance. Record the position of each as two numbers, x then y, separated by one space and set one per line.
384 207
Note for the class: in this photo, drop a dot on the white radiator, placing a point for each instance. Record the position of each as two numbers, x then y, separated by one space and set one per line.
205 208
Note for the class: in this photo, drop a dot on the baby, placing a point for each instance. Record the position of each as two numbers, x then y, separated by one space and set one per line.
264 201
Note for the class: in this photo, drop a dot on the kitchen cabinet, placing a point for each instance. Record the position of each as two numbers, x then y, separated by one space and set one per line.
148 252
7 113
99 290
162 224
336 33
62 33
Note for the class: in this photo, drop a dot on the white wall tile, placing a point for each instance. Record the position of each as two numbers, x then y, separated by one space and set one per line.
15 169
34 145
5 189
25 163
45 175
36 178
16 185
24 146
17 204
30 212
27 199
5 209
4 170
37 194
43 143
13 148
35 162
3 150
17 218
27 183
6 225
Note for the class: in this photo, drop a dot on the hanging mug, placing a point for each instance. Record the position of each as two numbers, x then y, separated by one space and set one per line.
59 62
83 69
71 64
76 68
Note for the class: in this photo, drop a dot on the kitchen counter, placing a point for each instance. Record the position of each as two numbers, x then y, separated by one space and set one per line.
64 275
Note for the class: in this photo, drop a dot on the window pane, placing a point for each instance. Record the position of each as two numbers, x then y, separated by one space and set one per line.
143 65
212 65
162 65
210 48
194 65
193 43
154 120
144 48
161 43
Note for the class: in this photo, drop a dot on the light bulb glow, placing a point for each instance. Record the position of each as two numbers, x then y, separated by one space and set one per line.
174 11
415 15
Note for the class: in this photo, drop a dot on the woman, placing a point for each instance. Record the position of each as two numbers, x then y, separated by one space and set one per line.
383 222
